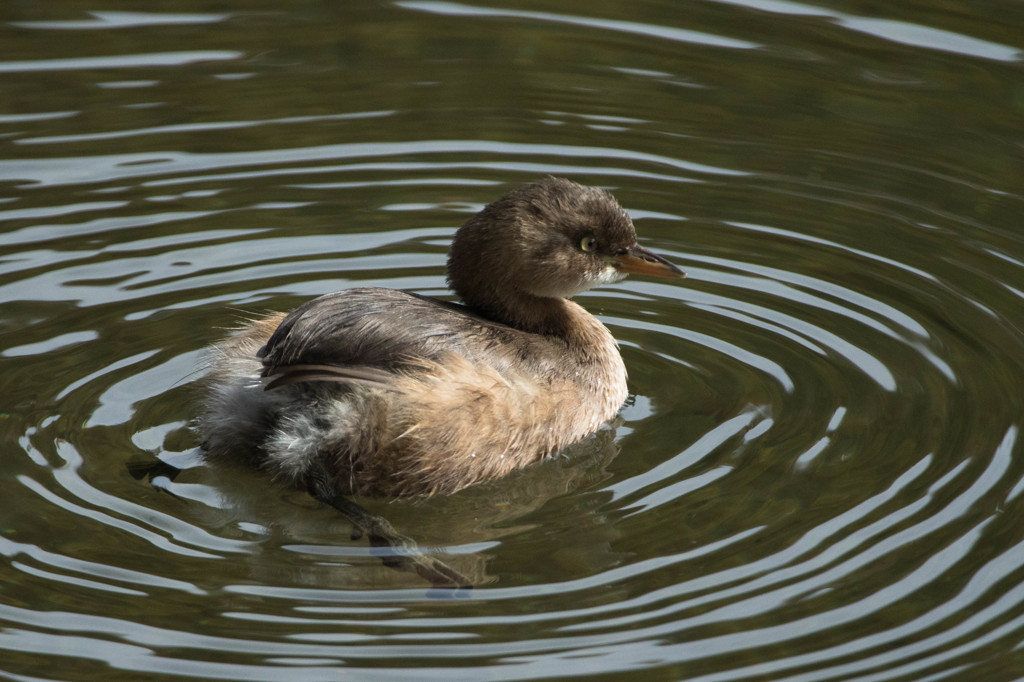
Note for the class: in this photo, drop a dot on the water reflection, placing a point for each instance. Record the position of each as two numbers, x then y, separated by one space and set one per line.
818 475
118 62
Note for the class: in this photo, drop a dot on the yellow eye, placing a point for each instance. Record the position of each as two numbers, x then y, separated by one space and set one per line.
588 243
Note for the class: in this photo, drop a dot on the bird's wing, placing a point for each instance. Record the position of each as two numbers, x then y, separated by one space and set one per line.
365 335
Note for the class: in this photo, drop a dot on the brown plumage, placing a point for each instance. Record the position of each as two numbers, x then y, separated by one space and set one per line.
380 392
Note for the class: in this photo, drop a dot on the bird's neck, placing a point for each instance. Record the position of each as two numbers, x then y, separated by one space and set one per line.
587 340
528 313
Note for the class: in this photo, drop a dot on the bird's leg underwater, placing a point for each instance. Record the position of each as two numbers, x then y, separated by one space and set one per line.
378 530
381 533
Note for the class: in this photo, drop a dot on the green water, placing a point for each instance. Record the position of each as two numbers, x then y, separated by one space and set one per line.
818 475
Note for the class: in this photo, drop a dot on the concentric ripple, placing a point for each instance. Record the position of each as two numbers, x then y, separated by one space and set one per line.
818 474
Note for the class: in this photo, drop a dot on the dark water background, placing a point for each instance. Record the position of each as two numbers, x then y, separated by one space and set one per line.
819 475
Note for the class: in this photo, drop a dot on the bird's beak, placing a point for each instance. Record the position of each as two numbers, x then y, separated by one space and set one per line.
640 261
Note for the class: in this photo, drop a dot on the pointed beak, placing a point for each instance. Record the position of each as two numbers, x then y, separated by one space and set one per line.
640 261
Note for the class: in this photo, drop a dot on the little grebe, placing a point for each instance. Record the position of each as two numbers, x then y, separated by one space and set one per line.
382 392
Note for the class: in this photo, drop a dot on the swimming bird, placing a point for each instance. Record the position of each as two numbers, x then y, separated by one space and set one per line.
379 392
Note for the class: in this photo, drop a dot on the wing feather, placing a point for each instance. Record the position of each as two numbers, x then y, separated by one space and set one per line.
367 335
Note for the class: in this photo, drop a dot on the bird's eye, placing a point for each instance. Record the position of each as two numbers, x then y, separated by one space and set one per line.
588 243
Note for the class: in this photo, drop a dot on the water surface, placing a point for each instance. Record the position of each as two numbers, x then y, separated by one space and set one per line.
818 475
